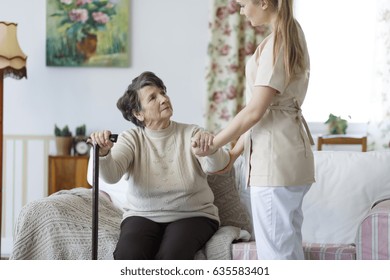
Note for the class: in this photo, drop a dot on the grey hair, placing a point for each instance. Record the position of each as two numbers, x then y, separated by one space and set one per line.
129 103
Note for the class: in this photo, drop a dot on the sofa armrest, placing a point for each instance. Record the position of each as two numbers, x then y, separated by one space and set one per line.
372 240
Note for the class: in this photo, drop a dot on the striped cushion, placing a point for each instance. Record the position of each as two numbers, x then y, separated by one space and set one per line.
372 241
313 251
244 251
316 251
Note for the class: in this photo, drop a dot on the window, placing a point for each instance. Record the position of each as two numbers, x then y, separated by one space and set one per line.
341 39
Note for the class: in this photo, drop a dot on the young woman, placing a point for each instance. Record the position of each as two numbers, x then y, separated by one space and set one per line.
280 165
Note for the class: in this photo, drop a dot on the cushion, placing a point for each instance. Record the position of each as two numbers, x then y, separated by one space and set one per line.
372 241
315 251
347 184
244 251
227 199
117 192
244 191
312 251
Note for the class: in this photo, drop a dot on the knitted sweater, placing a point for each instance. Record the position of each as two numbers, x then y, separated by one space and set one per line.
167 182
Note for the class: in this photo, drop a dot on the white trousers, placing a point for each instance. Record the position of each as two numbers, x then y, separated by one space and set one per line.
277 221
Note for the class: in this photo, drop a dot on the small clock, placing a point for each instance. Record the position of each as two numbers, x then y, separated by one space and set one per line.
81 148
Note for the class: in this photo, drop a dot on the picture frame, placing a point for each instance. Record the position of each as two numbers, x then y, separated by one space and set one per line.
87 33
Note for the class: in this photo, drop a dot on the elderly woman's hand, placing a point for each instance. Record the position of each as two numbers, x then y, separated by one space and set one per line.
102 138
202 143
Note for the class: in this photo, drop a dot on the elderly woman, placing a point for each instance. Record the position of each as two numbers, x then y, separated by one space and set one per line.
170 212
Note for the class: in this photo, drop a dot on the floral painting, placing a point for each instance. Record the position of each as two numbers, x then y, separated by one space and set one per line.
87 33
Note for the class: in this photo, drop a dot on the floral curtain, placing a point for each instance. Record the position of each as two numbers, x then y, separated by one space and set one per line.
232 41
379 125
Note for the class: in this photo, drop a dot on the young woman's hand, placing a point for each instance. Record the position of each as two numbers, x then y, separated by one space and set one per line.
202 143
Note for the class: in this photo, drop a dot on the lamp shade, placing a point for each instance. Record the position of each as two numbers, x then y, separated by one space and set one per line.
12 58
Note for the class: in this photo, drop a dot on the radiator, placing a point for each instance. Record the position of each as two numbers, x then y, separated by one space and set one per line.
25 178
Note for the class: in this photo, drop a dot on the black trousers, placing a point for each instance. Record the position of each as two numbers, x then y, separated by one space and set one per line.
143 239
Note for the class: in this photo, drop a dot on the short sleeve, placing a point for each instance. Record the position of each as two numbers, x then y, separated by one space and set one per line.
269 74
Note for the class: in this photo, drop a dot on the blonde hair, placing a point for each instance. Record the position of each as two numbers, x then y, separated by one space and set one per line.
286 35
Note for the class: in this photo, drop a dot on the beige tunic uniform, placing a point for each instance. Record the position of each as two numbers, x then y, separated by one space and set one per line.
278 148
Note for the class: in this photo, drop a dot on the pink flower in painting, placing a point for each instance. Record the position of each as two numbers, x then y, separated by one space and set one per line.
82 2
79 15
218 97
93 14
100 17
225 50
232 92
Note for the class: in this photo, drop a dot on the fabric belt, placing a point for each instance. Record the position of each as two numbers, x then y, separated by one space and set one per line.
303 127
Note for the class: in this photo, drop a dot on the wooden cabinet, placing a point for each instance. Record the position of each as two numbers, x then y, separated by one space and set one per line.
67 172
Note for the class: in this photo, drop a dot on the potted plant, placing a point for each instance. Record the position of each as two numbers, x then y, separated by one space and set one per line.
64 140
80 130
336 125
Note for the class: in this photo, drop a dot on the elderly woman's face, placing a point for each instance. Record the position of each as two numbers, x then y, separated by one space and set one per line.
156 108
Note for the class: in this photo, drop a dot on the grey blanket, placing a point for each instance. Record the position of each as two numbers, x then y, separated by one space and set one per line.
59 227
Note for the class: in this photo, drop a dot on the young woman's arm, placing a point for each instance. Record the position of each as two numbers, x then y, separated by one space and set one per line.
245 119
234 153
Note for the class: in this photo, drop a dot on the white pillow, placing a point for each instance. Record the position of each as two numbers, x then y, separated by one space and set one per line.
347 185
245 196
117 192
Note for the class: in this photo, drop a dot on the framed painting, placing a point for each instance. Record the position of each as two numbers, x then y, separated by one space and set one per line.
87 33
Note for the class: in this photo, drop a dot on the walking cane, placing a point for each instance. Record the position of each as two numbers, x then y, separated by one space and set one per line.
95 196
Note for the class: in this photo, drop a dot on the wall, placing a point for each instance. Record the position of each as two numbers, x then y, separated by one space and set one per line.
168 37
173 44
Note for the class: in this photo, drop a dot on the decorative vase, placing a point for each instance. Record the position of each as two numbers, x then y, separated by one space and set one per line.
64 145
87 46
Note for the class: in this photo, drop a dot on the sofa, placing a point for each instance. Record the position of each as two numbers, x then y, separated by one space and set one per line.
346 215
347 210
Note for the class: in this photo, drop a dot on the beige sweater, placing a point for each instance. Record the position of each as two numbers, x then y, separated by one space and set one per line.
167 181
